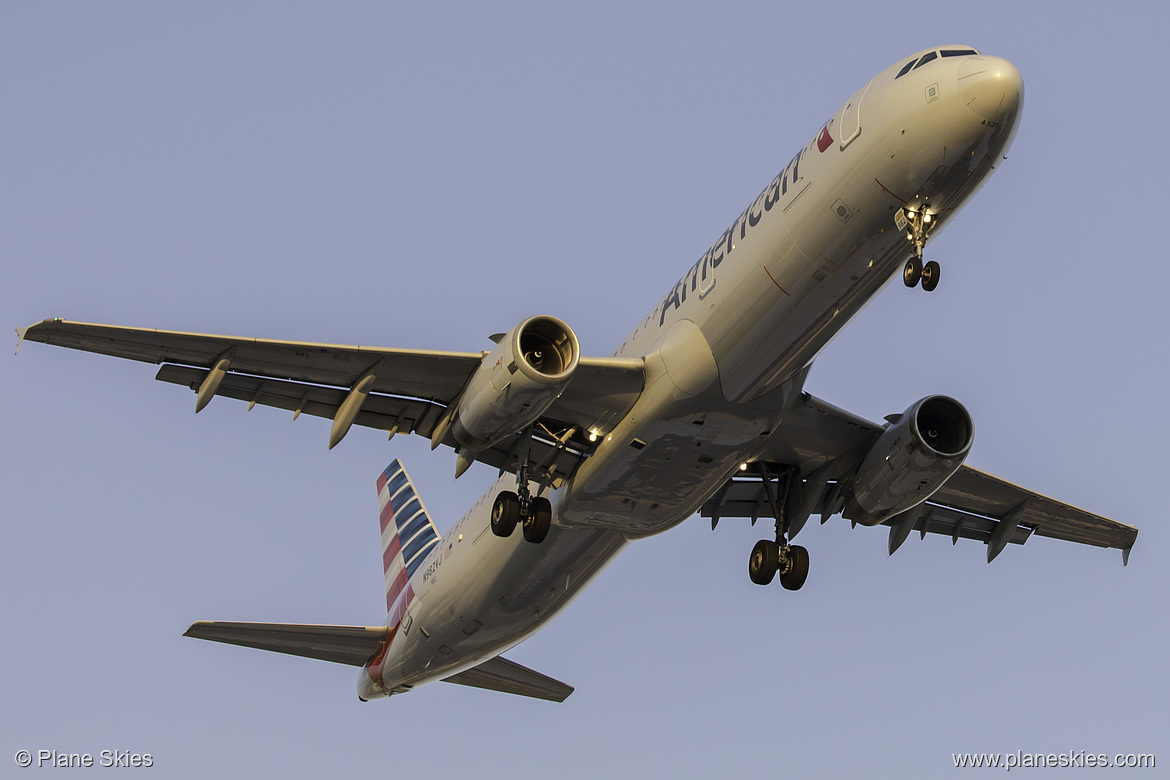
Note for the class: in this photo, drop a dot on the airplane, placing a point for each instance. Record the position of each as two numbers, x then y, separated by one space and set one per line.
702 408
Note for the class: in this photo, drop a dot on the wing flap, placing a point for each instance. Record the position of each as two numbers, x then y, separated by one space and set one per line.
352 645
387 413
500 674
384 412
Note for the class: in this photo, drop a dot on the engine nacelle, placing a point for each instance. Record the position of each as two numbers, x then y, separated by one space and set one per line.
912 459
516 382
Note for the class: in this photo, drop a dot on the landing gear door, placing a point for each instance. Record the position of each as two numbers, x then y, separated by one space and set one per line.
850 122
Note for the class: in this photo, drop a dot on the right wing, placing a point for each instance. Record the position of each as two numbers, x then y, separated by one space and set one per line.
975 504
410 391
824 445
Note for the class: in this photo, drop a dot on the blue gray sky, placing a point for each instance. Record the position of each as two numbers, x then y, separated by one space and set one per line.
424 175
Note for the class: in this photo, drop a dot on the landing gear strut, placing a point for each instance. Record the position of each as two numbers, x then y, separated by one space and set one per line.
917 224
534 513
770 558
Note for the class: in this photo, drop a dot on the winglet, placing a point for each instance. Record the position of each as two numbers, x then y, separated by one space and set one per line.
1125 555
22 332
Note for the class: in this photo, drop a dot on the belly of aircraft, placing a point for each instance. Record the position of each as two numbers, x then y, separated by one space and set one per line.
489 594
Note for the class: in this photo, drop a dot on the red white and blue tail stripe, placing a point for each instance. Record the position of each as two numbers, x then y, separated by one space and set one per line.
407 536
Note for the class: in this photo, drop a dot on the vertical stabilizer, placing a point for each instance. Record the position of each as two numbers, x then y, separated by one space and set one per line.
407 536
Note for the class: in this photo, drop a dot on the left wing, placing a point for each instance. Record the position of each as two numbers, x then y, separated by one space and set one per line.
416 373
402 390
821 445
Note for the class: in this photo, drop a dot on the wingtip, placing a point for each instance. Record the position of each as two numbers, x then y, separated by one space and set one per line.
22 332
193 629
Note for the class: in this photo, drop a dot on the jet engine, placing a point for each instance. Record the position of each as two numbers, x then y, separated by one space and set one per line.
914 457
516 382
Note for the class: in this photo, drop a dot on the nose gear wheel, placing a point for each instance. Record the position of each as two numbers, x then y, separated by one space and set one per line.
930 275
912 273
918 222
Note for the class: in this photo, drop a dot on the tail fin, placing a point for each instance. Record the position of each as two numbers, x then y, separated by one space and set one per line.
407 536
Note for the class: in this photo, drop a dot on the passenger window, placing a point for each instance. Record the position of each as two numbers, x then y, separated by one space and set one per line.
925 59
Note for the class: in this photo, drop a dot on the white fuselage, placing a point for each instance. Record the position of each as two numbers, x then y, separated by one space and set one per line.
725 350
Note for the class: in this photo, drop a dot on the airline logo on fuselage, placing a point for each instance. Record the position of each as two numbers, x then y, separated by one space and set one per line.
700 278
825 140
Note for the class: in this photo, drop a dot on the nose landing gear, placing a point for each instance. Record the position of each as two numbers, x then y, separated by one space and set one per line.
917 223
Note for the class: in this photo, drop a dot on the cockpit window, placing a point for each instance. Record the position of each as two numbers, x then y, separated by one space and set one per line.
931 55
925 59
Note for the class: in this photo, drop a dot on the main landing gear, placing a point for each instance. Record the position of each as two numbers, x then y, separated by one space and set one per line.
770 558
507 512
534 514
917 224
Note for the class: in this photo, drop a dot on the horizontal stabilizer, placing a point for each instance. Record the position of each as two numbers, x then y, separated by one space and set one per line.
500 674
353 645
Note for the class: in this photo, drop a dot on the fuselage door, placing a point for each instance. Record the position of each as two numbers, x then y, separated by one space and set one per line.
850 121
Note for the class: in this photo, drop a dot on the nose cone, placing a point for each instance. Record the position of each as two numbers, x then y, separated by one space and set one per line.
991 87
